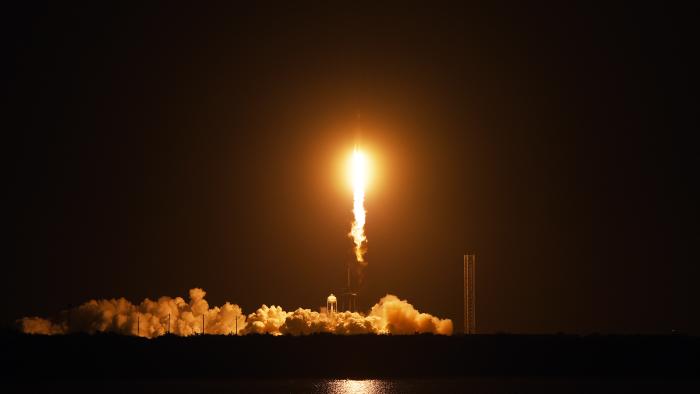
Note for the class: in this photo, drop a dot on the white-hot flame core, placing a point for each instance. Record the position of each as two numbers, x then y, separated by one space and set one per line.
358 174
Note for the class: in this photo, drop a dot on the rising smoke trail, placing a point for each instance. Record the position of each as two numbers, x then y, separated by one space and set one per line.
358 173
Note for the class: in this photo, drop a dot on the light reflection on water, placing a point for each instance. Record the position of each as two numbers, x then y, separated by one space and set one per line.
403 386
347 386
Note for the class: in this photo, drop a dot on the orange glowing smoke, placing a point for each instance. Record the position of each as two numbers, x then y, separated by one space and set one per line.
358 176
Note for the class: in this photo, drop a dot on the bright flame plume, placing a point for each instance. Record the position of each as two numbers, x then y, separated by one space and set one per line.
358 176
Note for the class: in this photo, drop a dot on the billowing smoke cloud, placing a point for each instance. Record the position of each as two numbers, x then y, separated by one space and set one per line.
389 316
150 319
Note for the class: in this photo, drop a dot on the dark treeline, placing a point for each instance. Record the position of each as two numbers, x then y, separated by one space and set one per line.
109 356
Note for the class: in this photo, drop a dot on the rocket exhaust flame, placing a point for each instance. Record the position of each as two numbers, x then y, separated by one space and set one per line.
358 175
150 319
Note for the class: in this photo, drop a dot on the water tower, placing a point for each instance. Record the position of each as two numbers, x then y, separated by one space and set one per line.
331 305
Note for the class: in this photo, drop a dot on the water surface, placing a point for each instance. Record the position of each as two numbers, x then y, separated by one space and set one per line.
372 386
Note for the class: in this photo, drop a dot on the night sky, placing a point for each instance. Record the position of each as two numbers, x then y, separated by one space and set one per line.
156 149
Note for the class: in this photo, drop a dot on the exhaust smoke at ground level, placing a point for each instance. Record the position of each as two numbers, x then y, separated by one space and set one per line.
390 315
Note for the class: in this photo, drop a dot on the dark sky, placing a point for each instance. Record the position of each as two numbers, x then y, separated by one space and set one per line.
155 149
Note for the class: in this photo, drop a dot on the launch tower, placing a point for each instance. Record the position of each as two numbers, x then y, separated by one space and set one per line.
348 297
470 293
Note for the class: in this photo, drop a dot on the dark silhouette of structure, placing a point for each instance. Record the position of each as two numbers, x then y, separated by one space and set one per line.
470 293
349 295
